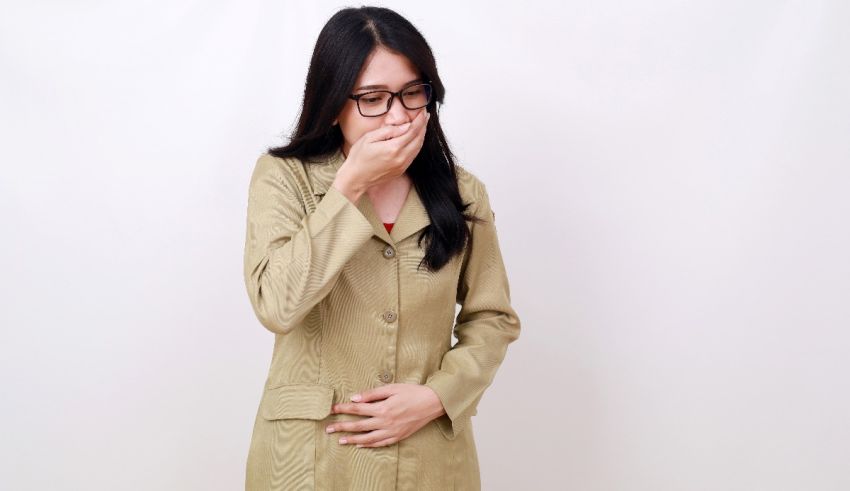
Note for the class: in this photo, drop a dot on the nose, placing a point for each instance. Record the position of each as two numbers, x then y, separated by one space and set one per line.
398 114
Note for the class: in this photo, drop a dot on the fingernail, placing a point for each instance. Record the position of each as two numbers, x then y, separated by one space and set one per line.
343 440
355 397
329 429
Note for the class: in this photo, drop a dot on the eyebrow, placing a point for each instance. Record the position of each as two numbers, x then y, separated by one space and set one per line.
371 87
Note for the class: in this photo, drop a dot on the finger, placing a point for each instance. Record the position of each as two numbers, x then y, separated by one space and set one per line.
423 128
415 145
352 426
382 443
420 123
415 125
346 408
362 408
386 132
367 438
377 393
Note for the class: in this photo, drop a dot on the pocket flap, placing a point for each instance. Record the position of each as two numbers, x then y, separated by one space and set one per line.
302 401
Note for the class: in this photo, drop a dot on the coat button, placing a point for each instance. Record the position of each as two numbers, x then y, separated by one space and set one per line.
390 316
389 252
386 376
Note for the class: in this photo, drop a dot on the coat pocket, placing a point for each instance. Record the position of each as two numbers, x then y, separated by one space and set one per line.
297 401
283 448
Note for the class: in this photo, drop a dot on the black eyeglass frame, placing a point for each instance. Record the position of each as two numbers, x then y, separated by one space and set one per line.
393 95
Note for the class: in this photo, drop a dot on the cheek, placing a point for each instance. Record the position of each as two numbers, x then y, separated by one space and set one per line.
353 125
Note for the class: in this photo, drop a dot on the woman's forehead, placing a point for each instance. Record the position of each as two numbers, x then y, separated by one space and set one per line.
385 69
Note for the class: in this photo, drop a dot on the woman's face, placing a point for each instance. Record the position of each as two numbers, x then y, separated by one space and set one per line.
384 70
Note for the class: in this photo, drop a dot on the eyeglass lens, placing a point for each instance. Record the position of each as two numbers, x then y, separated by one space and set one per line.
413 97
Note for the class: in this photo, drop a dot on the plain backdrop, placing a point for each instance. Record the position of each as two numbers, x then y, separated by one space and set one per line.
671 183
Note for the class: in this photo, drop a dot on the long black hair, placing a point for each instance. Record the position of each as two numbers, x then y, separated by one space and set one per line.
344 44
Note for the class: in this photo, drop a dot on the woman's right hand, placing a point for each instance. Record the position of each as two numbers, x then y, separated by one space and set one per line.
380 155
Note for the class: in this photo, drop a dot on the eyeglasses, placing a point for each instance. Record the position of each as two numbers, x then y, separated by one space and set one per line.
378 102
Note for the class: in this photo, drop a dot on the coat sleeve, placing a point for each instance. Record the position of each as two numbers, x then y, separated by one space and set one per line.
292 259
484 327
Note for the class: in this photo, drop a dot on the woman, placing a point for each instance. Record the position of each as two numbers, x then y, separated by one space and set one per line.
362 237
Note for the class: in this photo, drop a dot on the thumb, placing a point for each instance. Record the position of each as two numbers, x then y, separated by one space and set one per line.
374 394
387 132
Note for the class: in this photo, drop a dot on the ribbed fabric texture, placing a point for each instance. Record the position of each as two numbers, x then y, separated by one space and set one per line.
351 311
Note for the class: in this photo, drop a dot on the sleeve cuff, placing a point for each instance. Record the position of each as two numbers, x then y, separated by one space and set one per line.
333 203
455 420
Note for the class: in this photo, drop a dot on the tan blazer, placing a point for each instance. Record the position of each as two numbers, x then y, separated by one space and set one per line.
350 312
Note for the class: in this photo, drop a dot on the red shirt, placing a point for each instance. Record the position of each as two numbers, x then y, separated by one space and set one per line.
388 226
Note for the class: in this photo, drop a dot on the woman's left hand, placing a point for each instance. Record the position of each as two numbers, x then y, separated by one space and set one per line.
397 411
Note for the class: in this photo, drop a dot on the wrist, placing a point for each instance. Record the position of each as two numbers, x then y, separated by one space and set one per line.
349 187
438 409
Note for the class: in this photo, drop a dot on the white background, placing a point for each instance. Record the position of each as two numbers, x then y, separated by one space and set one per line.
671 185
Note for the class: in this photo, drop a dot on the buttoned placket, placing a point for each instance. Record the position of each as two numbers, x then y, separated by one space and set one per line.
385 369
411 218
390 318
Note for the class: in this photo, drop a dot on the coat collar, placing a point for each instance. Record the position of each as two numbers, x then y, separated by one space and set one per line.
412 218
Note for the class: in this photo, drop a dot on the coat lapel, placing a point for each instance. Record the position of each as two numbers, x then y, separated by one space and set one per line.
412 217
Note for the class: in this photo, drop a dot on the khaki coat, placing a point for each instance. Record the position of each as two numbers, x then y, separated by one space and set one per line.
349 312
